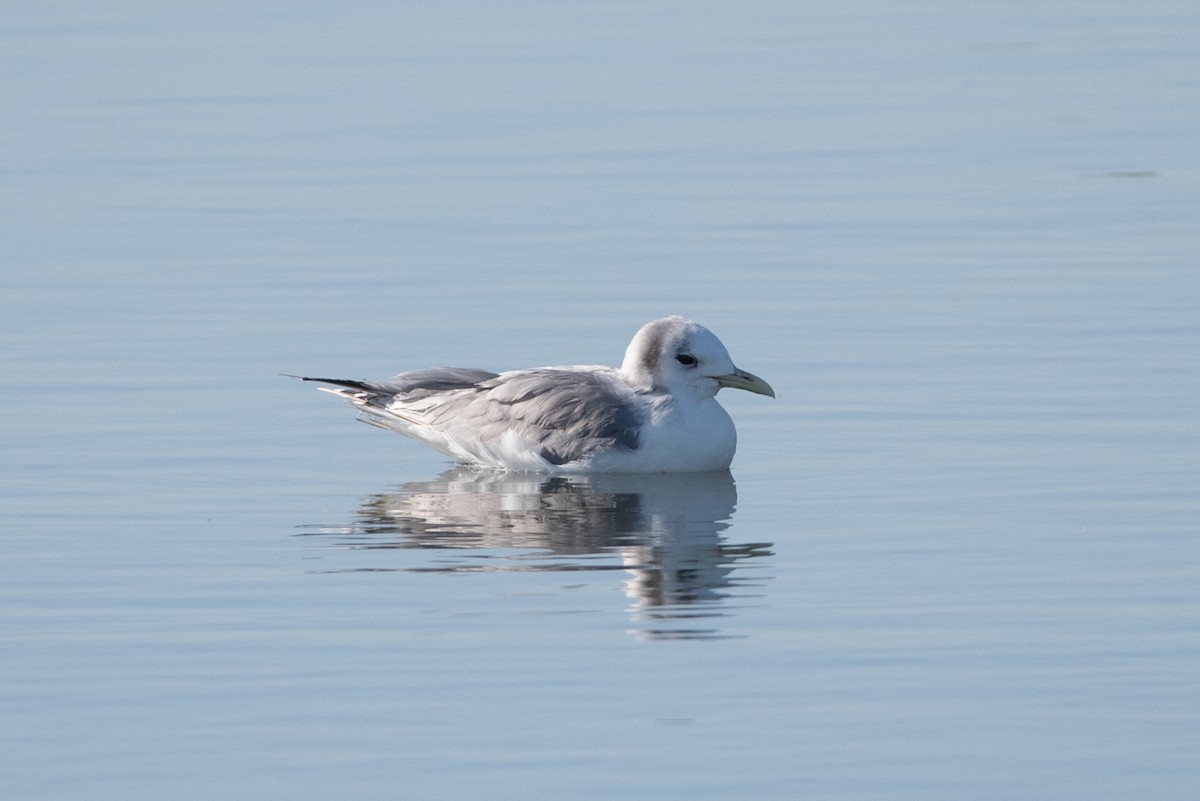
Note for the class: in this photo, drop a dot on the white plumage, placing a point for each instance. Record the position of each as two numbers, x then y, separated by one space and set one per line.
657 414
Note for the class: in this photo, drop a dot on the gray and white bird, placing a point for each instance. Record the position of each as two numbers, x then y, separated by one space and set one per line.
657 414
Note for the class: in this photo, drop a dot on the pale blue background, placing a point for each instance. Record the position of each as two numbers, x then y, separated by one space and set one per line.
959 240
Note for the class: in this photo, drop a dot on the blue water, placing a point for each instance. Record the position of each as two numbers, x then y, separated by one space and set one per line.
957 557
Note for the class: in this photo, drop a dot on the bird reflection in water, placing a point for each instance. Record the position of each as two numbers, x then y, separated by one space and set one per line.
664 530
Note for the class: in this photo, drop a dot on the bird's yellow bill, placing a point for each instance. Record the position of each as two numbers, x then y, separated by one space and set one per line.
740 379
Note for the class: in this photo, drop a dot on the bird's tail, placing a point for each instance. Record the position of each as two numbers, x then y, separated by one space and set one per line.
370 400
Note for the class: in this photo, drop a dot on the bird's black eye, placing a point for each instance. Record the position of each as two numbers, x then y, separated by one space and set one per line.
686 359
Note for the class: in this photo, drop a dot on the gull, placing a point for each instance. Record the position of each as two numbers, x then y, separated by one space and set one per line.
658 413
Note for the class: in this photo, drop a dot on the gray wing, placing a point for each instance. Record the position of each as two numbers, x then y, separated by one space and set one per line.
413 384
420 383
563 414
568 413
399 403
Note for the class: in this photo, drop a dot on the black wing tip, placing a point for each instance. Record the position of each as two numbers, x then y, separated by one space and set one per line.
339 382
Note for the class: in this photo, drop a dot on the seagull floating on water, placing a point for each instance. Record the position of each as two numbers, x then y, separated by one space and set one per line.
657 414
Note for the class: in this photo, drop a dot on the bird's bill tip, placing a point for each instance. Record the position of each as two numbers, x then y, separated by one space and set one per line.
740 379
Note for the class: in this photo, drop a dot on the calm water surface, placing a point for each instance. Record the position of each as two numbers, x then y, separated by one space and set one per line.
957 558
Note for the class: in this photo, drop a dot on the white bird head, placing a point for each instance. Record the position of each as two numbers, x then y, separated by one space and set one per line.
678 356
